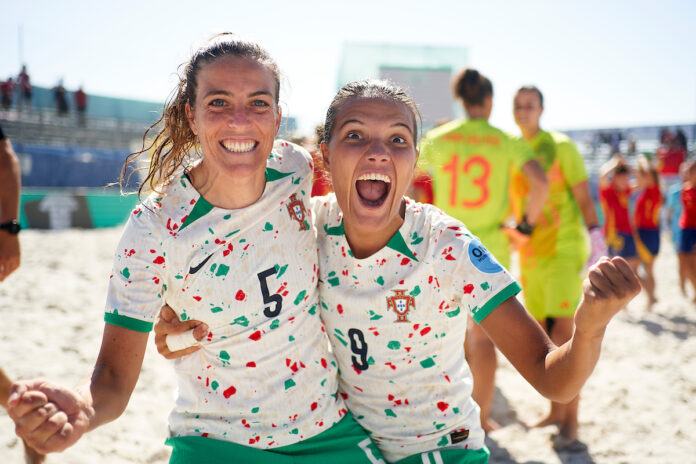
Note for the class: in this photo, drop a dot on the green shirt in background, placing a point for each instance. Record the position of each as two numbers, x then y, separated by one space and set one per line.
471 163
560 230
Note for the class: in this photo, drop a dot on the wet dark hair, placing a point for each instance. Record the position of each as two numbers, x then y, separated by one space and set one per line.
175 139
535 89
471 86
370 88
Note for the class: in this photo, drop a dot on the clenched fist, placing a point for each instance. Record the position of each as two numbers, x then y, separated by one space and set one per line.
610 285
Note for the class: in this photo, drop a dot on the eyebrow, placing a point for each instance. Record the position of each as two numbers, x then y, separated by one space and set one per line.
357 121
229 94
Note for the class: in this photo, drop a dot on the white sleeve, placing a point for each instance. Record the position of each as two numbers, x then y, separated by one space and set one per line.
135 292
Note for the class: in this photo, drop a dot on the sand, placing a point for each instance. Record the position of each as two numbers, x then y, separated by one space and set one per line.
639 405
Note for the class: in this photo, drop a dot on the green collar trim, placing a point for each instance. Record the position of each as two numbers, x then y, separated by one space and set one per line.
200 209
396 243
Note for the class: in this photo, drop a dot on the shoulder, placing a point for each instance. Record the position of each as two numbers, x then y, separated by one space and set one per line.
439 230
326 214
288 155
443 132
563 142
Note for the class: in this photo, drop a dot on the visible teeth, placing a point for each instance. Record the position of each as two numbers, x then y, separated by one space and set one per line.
238 147
375 176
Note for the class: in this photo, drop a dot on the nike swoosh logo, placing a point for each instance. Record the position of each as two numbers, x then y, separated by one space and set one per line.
194 269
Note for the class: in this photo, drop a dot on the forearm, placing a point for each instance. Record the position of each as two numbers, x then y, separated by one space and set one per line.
10 180
567 368
538 191
115 374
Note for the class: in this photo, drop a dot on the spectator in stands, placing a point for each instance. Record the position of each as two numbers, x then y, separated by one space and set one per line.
6 90
680 139
24 82
81 105
60 99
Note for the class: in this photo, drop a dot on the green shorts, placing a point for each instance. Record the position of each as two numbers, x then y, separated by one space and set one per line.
449 456
553 287
344 443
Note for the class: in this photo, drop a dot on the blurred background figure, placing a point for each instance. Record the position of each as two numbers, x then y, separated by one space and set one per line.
554 257
25 89
647 222
81 105
6 92
60 99
470 162
687 224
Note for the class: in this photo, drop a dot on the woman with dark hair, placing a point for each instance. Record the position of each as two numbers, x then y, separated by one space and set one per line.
470 162
554 258
225 239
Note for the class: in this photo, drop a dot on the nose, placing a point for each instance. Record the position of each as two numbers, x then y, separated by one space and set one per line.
377 152
237 117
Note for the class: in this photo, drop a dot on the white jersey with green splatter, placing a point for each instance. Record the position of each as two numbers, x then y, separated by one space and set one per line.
264 376
397 321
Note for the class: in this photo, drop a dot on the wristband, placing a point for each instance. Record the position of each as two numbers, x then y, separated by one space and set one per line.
524 227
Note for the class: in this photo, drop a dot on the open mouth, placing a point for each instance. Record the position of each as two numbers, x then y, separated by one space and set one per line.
373 189
238 146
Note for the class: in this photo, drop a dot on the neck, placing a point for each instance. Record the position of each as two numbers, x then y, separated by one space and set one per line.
365 241
476 112
225 192
530 132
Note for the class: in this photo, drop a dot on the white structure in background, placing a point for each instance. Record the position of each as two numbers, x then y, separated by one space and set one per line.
425 71
59 207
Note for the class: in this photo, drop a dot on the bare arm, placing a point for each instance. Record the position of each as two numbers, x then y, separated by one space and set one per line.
10 181
538 190
559 373
58 422
581 193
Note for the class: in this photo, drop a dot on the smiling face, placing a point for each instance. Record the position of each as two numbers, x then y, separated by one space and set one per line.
371 156
235 116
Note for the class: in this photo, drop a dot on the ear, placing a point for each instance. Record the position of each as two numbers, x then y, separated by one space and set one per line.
324 148
191 119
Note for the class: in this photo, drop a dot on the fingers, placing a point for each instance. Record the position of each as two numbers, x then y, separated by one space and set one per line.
57 424
200 331
631 278
167 313
35 418
28 402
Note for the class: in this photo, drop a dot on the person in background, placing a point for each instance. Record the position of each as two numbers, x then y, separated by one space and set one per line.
6 91
647 223
673 211
687 224
25 89
322 183
60 99
554 257
470 162
81 105
614 194
670 155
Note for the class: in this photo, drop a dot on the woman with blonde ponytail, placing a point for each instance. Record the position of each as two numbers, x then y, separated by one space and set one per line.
225 238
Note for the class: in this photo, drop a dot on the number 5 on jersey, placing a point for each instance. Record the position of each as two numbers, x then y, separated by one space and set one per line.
276 300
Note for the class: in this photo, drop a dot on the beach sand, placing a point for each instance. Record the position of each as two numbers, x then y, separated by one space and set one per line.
638 407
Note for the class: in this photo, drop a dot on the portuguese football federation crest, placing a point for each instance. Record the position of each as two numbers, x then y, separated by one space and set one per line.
401 304
297 212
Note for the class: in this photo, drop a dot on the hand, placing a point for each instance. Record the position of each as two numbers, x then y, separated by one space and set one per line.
598 246
168 323
517 238
9 254
609 286
47 417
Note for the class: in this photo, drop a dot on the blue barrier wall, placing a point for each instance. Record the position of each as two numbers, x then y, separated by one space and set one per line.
47 166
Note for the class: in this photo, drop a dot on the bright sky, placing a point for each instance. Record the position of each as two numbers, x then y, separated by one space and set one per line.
599 63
